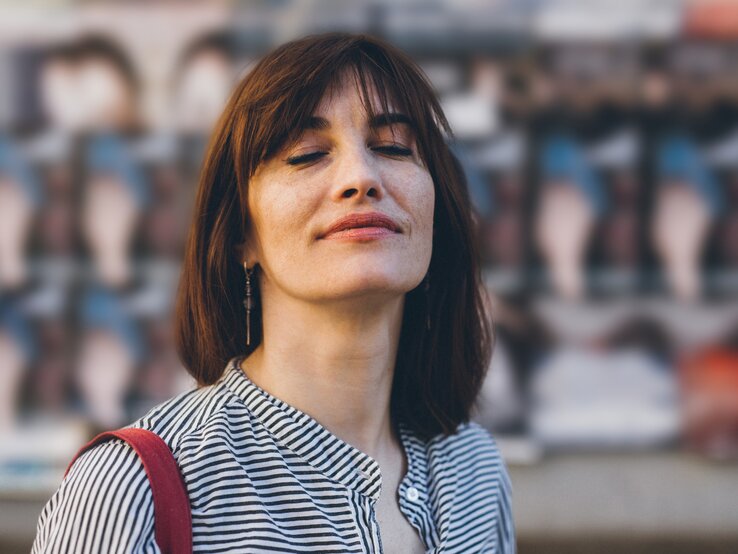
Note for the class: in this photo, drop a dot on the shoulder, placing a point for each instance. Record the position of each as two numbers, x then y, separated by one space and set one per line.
190 416
470 447
483 485
105 501
473 454
103 504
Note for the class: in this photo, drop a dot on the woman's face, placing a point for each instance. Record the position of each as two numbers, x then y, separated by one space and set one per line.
343 164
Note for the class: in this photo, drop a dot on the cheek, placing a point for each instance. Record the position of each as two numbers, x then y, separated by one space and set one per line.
282 219
419 200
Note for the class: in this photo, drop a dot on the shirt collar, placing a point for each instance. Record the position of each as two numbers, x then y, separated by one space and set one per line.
329 454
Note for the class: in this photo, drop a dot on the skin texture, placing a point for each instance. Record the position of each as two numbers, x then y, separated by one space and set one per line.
16 214
104 373
13 364
332 308
679 230
563 228
109 218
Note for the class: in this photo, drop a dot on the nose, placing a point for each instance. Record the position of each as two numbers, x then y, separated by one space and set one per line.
357 174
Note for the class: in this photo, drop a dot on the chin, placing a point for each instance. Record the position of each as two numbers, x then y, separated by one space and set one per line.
378 285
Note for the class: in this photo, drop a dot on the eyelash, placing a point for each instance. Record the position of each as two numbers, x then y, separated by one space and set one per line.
314 156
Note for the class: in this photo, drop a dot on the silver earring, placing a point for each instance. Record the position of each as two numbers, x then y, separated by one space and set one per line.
426 288
248 303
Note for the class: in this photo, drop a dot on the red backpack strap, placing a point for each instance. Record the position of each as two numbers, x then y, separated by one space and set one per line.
172 513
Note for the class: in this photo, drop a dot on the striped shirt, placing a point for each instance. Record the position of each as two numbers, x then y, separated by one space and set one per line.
262 476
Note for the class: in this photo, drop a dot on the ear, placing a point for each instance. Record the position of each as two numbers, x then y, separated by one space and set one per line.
244 253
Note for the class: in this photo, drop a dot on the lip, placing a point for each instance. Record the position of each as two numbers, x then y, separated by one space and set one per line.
369 220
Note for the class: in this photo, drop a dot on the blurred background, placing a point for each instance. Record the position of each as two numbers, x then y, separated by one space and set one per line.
600 143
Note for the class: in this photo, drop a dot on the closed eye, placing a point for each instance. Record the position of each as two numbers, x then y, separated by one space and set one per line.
305 158
394 150
391 150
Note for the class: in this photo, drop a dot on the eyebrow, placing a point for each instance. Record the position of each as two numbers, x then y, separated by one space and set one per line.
386 119
316 123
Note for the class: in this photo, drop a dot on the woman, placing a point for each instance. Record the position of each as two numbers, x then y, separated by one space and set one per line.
333 412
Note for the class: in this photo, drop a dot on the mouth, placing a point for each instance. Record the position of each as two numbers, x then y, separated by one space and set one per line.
362 225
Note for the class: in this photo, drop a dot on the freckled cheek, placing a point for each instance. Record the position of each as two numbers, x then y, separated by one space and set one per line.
420 202
284 221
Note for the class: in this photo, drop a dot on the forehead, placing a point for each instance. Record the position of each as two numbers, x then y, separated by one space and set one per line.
350 88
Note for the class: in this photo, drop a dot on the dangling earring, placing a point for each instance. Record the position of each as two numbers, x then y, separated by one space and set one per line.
247 303
426 288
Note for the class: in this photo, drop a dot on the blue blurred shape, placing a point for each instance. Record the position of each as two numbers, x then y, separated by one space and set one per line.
14 324
678 158
109 154
103 310
15 165
563 158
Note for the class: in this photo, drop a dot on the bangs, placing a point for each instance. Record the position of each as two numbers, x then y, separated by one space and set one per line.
293 95
372 82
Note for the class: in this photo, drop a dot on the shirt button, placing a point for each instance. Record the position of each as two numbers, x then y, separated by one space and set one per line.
412 494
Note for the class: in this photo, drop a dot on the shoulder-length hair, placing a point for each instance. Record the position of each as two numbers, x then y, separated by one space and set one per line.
439 372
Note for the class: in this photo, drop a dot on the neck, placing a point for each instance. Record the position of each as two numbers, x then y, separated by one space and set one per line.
334 362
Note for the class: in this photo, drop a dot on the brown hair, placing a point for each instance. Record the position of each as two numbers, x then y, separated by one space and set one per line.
439 372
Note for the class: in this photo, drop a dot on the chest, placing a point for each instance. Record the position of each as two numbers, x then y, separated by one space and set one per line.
398 534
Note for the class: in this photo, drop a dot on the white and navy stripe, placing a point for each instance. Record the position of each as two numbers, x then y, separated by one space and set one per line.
263 476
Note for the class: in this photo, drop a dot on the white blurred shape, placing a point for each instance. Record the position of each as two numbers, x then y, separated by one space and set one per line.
470 115
588 398
203 91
